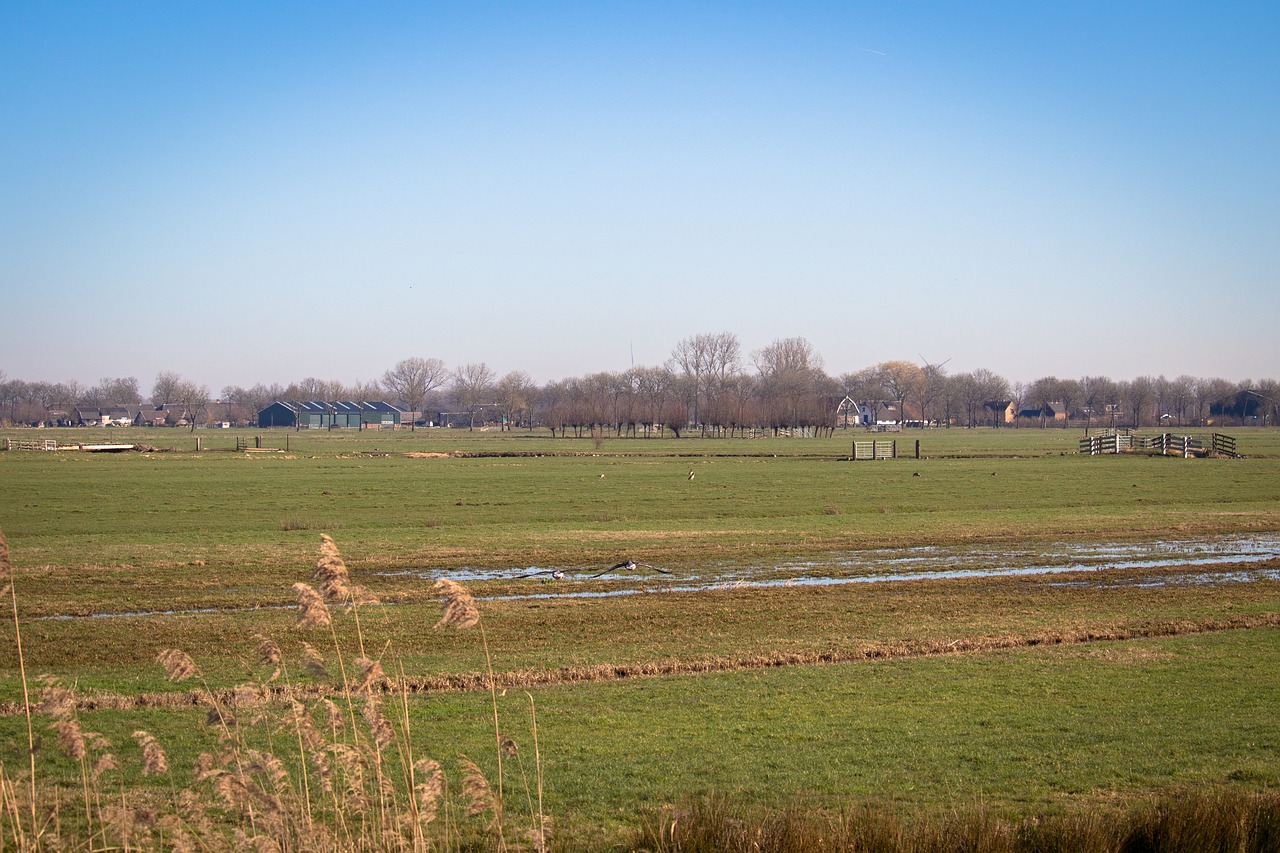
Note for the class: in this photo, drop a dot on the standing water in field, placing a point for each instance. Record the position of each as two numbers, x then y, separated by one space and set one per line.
927 562
935 562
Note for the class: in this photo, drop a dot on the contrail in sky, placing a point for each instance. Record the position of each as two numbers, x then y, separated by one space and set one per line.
876 52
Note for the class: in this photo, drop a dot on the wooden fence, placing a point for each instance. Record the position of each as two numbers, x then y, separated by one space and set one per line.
1167 444
875 449
30 444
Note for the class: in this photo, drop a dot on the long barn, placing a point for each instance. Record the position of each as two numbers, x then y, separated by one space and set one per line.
337 414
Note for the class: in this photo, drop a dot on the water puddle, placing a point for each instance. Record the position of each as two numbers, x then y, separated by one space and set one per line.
926 562
933 562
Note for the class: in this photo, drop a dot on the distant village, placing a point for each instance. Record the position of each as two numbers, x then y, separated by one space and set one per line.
707 387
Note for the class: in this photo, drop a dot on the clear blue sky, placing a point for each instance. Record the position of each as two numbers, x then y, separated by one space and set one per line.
252 192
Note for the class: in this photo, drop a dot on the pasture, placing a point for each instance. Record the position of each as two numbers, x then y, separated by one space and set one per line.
1029 694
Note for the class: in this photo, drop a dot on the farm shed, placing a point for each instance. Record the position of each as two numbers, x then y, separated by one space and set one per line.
108 416
890 414
336 414
156 417
1001 410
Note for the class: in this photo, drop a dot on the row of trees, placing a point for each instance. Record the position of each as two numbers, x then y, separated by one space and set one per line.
708 385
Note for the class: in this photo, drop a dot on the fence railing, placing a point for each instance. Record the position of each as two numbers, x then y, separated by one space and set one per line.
1166 444
875 449
30 444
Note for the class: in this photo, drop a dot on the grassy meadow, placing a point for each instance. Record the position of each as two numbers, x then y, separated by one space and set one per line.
1020 695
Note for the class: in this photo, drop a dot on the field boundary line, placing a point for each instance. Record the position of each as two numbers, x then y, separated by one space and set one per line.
605 672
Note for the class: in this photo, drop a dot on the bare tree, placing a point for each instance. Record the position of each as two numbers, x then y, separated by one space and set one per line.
903 380
164 390
933 383
122 390
515 393
707 360
789 369
194 399
472 388
412 379
1018 395
653 388
1043 393
1139 394
1181 396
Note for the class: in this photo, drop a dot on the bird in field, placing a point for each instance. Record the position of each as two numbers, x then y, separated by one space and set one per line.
690 473
555 574
629 565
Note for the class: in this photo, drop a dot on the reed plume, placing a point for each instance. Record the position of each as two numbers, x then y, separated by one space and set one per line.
312 611
332 578
154 761
178 666
370 678
475 787
459 607
313 661
429 790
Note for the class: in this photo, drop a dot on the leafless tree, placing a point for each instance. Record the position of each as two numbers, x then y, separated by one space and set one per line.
515 393
412 379
788 369
1181 397
1093 391
121 390
164 390
1139 393
902 380
706 360
194 398
653 389
1042 394
473 388
551 404
1018 395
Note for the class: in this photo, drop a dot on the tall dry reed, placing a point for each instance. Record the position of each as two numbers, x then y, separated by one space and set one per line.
334 773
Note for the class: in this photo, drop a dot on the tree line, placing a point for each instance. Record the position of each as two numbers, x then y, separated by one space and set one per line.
708 385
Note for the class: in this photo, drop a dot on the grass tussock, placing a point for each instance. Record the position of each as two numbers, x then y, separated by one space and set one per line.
1215 819
334 769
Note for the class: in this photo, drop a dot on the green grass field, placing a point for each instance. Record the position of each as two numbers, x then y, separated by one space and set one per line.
1024 693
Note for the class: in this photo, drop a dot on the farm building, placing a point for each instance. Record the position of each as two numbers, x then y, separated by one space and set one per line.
1002 411
892 415
106 416
338 414
1047 412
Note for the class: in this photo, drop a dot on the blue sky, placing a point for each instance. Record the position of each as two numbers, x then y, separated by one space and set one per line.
252 192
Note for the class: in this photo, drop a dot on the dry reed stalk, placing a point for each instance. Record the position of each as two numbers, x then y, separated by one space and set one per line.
370 678
313 661
460 611
178 666
333 579
384 734
269 654
154 761
312 611
475 787
542 831
427 793
7 585
459 607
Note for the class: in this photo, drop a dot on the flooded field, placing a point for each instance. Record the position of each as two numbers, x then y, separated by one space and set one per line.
1201 561
920 563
